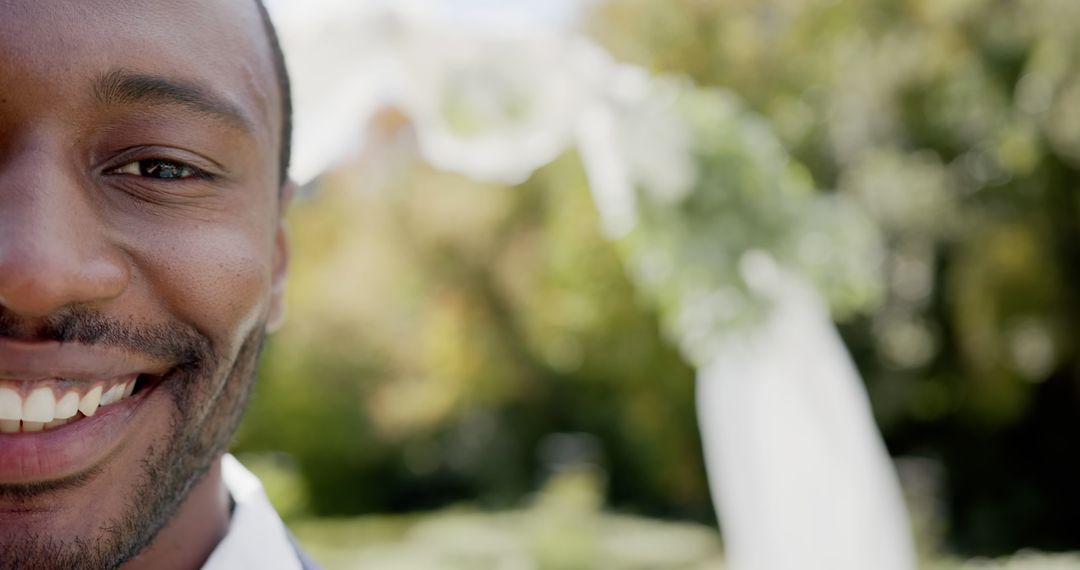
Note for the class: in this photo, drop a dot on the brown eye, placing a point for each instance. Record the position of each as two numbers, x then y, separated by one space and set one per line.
159 169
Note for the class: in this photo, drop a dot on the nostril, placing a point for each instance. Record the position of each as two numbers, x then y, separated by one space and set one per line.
41 286
29 298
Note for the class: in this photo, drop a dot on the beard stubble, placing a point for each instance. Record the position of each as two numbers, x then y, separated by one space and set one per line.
209 396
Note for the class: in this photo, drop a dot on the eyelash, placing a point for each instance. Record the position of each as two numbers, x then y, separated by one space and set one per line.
143 167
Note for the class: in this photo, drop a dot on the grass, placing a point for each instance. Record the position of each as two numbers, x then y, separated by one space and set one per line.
563 528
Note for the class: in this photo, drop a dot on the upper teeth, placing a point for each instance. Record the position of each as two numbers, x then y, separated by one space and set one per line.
44 406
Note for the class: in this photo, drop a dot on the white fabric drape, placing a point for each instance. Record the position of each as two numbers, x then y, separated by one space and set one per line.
799 474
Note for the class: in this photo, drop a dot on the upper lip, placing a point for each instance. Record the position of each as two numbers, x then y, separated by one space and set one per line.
29 361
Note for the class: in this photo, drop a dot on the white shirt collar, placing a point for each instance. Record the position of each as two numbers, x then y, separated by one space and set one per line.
257 539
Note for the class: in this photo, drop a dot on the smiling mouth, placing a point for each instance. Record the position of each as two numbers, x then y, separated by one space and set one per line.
31 407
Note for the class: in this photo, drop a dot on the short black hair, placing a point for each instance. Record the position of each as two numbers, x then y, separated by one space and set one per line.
285 88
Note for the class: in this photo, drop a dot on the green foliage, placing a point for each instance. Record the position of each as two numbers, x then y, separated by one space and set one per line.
442 333
953 123
451 340
715 200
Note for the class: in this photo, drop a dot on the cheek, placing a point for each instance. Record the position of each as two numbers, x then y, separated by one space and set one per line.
214 277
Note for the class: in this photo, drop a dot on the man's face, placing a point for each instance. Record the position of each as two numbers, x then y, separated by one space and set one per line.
139 241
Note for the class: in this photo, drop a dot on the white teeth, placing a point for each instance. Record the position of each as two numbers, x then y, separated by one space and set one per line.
41 409
10 405
56 423
112 395
90 401
67 406
39 406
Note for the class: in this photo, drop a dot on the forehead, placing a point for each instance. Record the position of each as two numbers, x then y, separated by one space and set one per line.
59 49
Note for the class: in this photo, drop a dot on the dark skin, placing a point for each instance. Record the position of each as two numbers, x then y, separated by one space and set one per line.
139 182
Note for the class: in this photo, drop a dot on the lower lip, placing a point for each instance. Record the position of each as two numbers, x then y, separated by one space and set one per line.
69 449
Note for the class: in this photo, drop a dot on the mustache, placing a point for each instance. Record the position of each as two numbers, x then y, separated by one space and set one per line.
172 341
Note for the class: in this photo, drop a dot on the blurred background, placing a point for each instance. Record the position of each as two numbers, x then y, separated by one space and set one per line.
475 374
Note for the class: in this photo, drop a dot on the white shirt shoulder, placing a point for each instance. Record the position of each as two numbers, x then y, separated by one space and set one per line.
257 538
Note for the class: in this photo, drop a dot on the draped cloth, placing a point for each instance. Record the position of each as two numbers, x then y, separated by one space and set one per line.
798 471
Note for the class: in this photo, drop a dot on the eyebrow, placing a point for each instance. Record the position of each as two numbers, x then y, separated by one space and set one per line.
127 87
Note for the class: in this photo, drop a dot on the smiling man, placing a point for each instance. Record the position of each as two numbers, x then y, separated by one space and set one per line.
143 148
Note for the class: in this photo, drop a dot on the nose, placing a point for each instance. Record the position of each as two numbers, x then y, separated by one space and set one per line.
54 250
